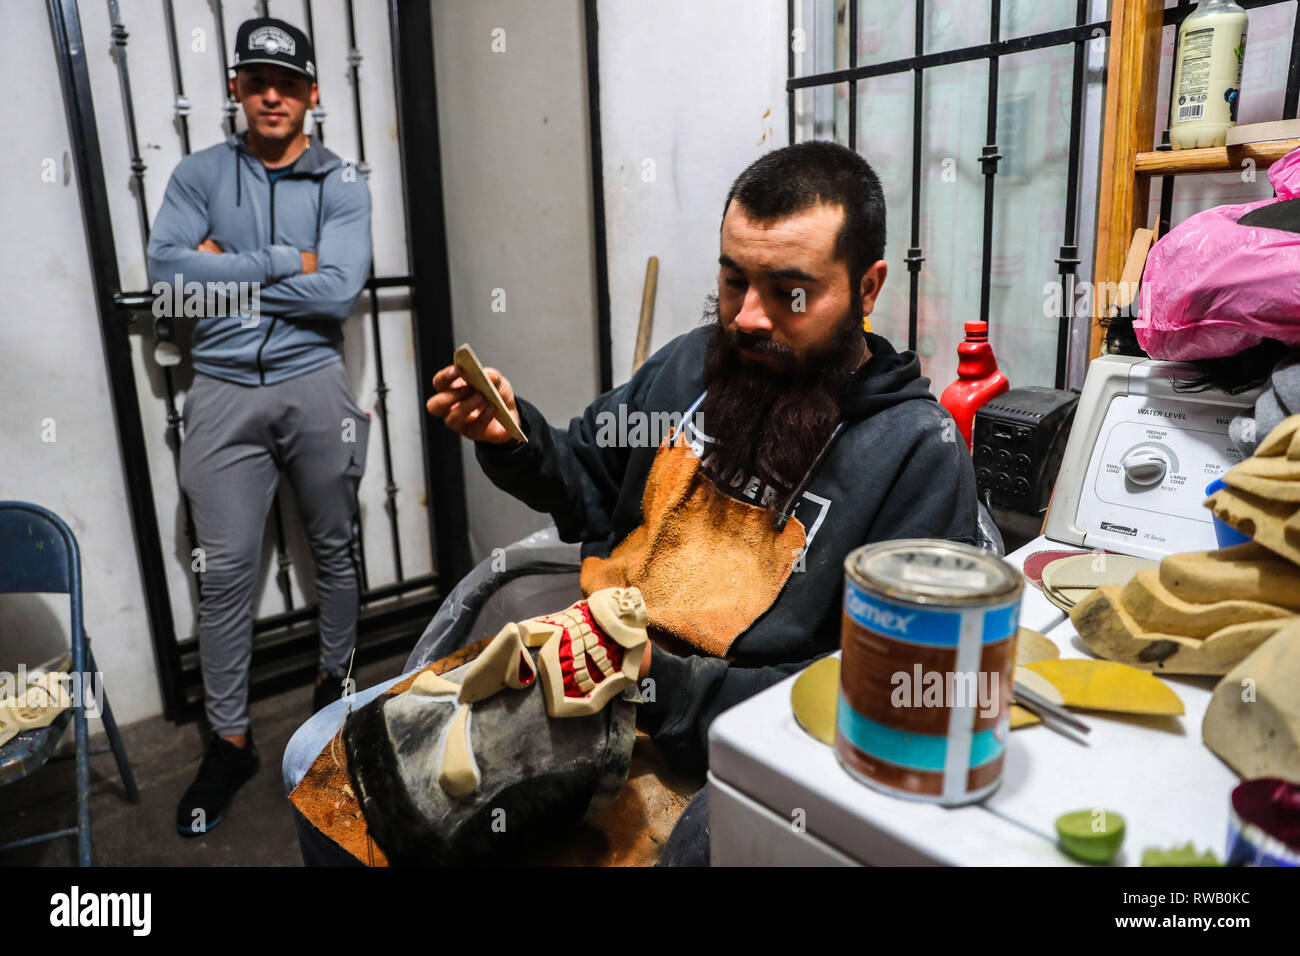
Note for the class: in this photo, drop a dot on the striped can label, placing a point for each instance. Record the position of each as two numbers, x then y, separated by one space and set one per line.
928 643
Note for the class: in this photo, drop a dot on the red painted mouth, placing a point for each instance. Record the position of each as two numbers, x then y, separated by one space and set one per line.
612 651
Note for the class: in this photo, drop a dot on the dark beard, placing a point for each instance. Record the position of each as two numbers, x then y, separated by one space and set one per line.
773 421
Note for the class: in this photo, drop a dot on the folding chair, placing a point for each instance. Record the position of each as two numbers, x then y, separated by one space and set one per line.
39 555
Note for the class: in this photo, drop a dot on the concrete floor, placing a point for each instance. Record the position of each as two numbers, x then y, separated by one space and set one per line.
258 828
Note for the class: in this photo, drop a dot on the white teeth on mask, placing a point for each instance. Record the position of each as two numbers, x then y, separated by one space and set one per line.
598 655
588 655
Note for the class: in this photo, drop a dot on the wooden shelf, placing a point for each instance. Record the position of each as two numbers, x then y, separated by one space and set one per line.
1213 159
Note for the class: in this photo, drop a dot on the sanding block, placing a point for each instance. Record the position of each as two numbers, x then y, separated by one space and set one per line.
471 369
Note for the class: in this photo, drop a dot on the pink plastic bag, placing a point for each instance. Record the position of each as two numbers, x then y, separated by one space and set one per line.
1212 288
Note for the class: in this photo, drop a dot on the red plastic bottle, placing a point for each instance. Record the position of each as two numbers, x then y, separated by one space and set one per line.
978 378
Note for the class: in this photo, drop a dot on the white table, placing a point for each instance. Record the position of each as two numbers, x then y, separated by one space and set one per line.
777 796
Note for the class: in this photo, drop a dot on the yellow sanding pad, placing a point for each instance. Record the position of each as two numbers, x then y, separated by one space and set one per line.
1107 685
1020 717
813 698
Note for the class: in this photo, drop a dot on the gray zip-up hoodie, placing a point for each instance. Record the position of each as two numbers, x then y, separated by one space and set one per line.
223 193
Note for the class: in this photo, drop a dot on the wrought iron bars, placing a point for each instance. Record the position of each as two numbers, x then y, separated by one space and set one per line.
1067 260
917 64
381 384
989 157
915 255
162 326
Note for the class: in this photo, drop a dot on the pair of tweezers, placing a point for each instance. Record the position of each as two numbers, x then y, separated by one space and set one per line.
1044 708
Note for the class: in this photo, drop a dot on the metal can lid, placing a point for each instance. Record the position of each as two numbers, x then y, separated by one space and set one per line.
933 570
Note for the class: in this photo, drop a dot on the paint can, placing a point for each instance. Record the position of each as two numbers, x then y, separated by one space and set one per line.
928 644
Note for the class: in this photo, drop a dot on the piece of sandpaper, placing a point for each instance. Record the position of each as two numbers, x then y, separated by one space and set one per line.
471 369
1035 563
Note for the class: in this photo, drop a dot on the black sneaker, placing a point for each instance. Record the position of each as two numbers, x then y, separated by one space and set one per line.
327 692
224 769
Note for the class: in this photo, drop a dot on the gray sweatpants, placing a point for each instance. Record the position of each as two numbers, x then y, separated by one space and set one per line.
238 438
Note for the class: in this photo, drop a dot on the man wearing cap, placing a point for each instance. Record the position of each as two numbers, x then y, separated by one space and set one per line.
275 216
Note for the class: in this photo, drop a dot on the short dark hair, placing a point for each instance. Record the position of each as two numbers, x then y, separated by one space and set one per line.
796 178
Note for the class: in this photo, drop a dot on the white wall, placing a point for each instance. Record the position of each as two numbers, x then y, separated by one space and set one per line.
52 368
690 94
517 172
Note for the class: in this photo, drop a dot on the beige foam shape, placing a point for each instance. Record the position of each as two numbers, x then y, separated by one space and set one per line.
1243 572
429 684
620 613
1257 734
1279 468
1274 524
1157 608
458 774
1274 489
471 370
1108 629
1281 439
497 667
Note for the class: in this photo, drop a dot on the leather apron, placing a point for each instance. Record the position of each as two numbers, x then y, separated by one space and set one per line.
708 565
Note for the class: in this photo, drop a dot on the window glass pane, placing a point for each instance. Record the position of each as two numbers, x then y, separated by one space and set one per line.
1033 137
952 211
1022 18
885 140
953 24
886 31
819 37
822 112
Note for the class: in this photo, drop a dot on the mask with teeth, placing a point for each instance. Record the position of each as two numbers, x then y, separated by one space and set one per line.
591 650
477 763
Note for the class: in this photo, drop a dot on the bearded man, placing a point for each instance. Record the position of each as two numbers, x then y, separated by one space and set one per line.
800 437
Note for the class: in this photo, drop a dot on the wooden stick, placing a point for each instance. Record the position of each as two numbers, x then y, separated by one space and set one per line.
647 313
471 369
1129 279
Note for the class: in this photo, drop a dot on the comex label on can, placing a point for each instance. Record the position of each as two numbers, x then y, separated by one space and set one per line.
928 648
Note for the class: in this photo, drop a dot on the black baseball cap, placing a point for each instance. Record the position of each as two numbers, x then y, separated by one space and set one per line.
268 40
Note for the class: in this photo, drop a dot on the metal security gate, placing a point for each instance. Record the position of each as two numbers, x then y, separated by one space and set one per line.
391 614
832 15
1067 258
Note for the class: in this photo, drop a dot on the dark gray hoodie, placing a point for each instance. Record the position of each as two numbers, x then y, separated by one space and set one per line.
224 193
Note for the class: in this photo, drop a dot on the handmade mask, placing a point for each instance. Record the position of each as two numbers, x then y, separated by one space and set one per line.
475 764
33 706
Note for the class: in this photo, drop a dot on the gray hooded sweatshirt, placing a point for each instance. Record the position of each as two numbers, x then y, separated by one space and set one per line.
224 193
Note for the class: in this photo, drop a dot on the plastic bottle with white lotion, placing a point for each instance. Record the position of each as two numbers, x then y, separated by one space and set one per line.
1207 75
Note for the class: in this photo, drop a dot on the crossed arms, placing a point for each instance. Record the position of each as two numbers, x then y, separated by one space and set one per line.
293 283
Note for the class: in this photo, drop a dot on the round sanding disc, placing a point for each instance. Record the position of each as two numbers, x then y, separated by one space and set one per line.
813 698
1088 571
1032 646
